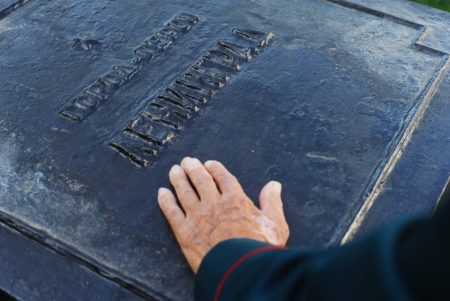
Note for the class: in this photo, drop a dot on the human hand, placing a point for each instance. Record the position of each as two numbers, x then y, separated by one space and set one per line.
216 208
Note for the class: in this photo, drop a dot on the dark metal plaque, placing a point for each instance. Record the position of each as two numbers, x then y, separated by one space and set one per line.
100 98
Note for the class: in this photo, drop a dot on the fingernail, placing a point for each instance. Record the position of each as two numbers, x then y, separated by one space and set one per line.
175 169
189 163
277 186
160 194
208 163
162 191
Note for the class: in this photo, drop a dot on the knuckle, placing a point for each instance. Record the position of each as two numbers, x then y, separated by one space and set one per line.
199 183
227 178
230 182
186 191
235 196
172 212
202 180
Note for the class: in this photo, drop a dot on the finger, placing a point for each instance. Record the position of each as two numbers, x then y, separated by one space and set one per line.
185 192
223 178
270 199
201 179
170 208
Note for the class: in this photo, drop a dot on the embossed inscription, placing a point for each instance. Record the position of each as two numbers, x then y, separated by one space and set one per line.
166 114
87 102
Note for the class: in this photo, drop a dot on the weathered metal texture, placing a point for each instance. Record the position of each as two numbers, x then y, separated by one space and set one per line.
100 98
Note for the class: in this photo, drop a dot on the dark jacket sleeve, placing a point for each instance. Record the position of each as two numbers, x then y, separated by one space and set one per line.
409 260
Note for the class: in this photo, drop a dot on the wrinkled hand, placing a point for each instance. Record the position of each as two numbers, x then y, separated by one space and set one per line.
216 208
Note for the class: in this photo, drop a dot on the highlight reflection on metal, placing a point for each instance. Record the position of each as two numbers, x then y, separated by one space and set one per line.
411 120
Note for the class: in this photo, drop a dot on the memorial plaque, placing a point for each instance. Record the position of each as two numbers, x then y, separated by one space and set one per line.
100 98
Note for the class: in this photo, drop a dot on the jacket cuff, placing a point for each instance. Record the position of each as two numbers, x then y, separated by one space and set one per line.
220 263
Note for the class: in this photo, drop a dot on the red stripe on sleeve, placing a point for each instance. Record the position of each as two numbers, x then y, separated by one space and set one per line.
237 263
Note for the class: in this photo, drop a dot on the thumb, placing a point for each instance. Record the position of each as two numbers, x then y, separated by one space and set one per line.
270 198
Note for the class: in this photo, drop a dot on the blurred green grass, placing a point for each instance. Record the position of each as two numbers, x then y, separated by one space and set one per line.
441 4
